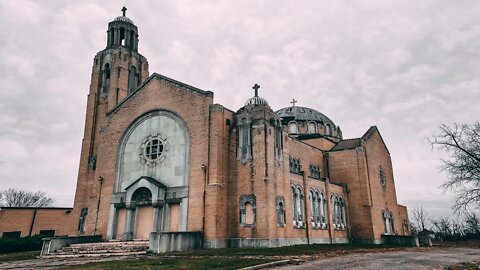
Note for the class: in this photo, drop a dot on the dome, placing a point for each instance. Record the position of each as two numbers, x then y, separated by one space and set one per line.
256 101
298 113
123 19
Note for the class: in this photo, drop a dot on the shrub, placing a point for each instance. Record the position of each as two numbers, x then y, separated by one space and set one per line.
28 243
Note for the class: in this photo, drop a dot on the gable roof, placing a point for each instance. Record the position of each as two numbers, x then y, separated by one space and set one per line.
149 179
347 144
156 76
357 142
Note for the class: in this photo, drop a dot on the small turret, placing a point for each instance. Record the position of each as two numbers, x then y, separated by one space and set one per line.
122 32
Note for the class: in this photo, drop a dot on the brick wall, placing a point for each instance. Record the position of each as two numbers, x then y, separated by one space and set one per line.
22 219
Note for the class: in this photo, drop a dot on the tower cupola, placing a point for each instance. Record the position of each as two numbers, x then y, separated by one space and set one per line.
122 32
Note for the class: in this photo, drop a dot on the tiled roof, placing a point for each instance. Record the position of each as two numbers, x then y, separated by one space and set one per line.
347 144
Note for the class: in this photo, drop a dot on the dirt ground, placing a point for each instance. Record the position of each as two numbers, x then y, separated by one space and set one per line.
382 258
436 258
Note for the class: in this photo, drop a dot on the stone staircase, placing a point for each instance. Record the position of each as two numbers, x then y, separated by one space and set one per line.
101 249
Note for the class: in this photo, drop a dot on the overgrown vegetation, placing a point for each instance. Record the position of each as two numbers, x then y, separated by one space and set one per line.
18 256
446 228
18 244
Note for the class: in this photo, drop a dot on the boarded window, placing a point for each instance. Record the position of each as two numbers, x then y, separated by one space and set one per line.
15 234
47 233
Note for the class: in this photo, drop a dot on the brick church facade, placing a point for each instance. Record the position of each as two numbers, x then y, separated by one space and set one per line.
159 155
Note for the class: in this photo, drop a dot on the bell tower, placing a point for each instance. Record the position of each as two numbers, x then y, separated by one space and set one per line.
117 72
119 69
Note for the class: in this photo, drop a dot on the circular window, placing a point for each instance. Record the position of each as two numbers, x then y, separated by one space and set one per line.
153 149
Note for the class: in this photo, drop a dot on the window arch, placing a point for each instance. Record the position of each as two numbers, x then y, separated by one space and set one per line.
293 127
247 210
280 203
323 210
142 196
311 128
317 209
328 130
338 211
298 207
388 221
106 79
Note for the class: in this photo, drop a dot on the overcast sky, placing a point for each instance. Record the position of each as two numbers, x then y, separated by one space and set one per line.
405 66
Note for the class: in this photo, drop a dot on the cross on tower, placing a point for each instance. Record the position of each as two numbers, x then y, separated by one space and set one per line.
124 10
255 87
293 102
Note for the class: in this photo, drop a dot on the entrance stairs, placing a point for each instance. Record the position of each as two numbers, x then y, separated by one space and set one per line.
101 249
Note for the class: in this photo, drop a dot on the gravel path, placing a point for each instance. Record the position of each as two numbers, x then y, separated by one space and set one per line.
434 259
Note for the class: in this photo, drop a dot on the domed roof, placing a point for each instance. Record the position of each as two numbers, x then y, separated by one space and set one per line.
123 19
304 114
256 101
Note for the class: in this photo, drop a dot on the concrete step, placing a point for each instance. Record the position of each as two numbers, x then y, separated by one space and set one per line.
117 248
55 255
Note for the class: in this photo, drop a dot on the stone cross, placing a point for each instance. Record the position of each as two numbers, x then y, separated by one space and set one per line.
124 10
293 102
255 87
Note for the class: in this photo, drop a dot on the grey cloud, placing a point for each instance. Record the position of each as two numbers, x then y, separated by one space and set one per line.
405 66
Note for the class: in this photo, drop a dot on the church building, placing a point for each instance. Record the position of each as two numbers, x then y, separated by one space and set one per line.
159 156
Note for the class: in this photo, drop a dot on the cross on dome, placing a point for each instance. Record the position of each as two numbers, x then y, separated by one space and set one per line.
124 10
293 102
255 87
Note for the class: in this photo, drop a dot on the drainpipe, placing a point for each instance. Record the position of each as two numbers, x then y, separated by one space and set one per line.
205 169
307 218
33 221
100 179
327 196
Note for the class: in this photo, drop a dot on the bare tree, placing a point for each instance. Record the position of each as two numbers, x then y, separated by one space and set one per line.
472 223
420 220
20 198
462 142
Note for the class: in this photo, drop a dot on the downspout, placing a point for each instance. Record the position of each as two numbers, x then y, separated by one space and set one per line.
347 215
100 179
33 221
205 172
327 196
307 218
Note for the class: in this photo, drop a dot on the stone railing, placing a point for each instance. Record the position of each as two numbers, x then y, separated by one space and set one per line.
50 244
161 242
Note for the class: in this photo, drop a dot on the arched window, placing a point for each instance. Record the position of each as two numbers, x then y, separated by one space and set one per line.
142 196
132 79
312 128
247 209
298 207
312 206
292 128
388 221
106 79
280 211
323 210
244 150
328 130
122 36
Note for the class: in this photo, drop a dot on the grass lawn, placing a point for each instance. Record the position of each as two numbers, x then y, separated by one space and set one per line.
229 258
18 256
283 251
175 263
